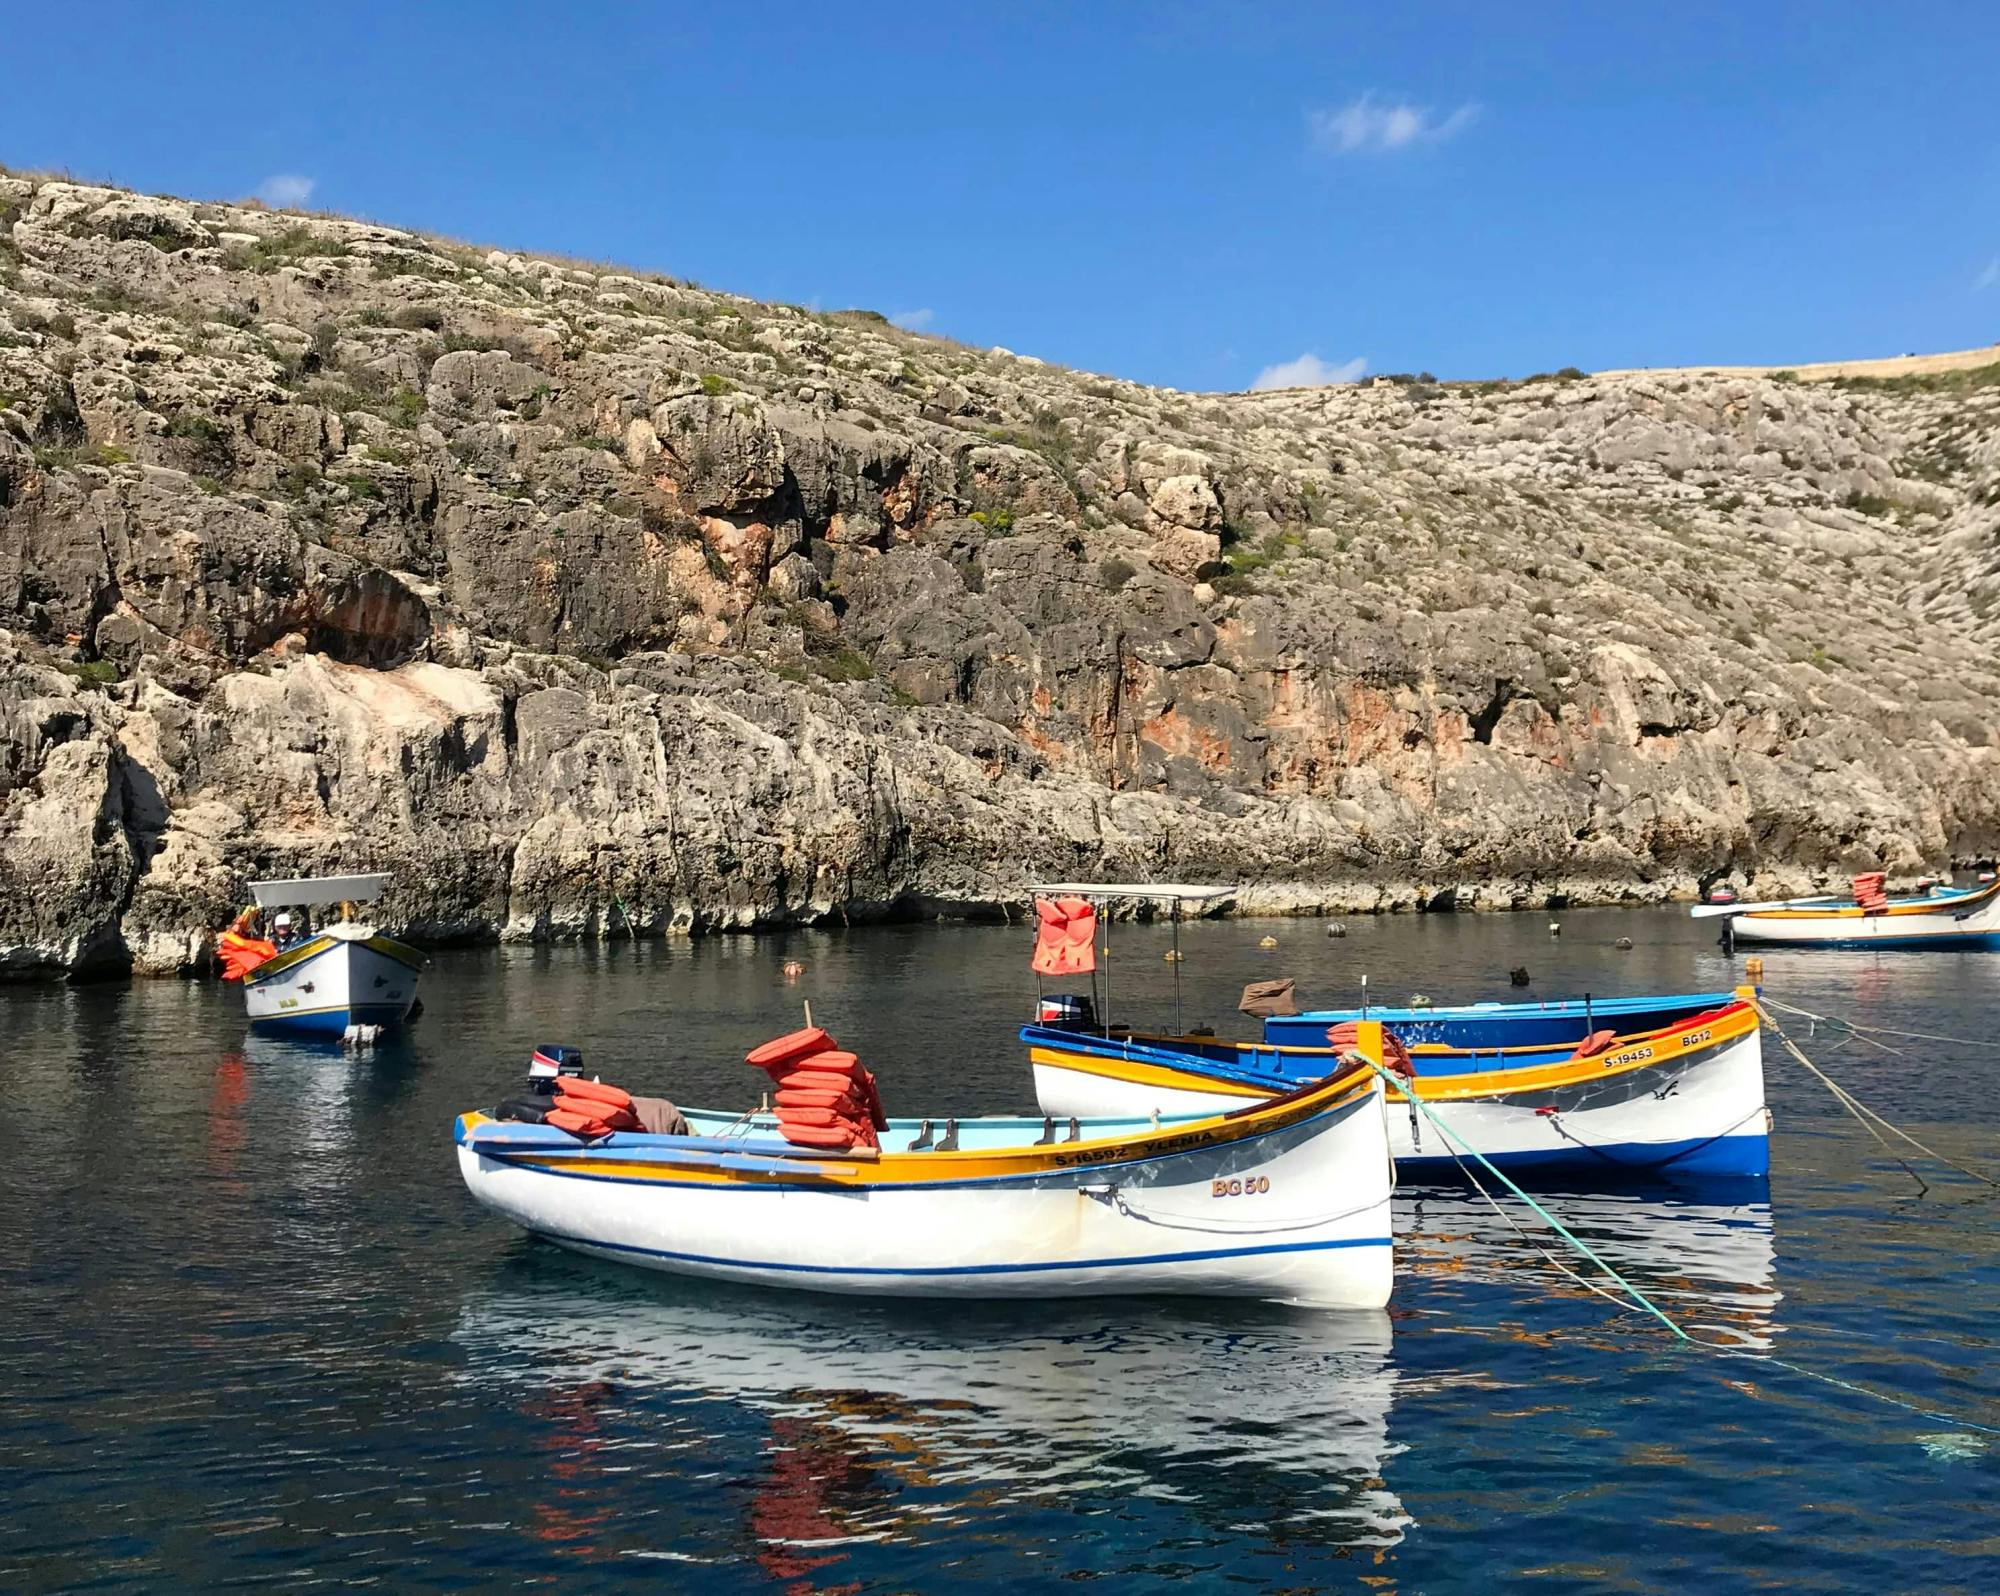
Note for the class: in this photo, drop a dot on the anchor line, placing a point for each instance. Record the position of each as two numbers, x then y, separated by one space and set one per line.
1850 1025
1721 1349
1859 1109
1452 1141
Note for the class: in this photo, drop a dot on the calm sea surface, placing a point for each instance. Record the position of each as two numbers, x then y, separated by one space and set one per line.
255 1332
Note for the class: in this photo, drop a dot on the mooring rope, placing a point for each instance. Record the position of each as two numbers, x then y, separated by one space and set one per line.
1722 1349
1851 1025
1457 1146
1858 1109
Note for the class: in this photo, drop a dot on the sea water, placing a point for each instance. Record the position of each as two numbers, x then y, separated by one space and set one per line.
256 1333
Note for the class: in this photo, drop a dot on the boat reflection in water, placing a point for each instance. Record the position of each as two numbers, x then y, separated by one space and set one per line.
884 1422
1709 1266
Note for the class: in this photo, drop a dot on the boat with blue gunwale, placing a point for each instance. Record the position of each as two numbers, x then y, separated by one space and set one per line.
347 974
1284 1198
1683 1100
1944 919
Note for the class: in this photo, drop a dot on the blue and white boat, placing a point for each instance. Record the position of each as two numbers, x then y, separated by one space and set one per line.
1475 1027
1287 1200
345 975
1568 1092
1944 919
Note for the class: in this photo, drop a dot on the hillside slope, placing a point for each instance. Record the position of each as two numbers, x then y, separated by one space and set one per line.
581 599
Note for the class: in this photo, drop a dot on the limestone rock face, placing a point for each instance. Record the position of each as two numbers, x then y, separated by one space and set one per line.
587 601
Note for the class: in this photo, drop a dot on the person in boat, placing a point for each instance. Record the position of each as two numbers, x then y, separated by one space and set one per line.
241 949
290 929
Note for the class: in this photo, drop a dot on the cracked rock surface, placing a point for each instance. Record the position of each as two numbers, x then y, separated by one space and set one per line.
584 600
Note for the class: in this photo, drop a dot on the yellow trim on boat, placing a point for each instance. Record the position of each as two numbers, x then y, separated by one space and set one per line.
1957 905
1636 1052
1259 1117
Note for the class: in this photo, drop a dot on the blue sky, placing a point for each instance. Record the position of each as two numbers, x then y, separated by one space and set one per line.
1179 193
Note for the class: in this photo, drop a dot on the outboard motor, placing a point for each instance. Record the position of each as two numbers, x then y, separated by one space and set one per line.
550 1061
1066 1011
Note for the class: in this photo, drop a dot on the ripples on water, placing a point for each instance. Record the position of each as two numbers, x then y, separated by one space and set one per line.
259 1335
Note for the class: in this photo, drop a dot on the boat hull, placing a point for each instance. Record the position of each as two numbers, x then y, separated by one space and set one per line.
1945 922
331 982
1299 1212
1687 1104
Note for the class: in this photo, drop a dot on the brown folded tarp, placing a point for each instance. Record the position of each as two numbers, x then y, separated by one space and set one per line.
658 1117
1262 999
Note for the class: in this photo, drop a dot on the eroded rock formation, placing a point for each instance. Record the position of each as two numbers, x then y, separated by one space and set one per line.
585 600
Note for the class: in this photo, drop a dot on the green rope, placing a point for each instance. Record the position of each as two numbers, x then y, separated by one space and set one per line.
1547 1218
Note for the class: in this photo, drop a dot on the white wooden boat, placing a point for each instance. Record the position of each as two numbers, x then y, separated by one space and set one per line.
347 974
1287 1200
1942 919
1685 1101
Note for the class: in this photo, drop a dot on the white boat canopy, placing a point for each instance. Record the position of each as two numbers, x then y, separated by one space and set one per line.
311 892
1174 891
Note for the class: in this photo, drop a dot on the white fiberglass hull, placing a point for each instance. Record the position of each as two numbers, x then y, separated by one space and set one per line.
1950 925
1298 1213
347 975
1699 1116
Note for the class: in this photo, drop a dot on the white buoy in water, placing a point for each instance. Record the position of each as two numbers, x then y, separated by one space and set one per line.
1555 928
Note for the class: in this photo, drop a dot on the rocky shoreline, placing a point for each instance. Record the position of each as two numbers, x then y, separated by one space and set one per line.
590 603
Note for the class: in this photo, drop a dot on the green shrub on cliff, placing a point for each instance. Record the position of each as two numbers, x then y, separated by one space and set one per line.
286 248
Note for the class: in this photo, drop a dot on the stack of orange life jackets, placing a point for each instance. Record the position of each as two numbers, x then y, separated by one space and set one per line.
1869 893
590 1109
1066 939
824 1096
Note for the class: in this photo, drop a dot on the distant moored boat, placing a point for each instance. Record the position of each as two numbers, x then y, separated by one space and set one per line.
345 974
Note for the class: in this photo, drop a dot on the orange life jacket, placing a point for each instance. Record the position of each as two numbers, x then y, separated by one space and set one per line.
1066 941
786 1049
1395 1056
240 954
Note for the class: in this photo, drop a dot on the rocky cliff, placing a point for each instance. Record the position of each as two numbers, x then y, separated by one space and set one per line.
589 601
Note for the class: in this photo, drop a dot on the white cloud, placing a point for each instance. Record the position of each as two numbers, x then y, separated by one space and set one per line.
1308 371
285 190
913 320
1990 276
1369 126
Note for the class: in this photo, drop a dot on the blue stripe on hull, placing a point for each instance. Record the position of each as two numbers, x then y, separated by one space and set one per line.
330 1022
1708 1158
933 1270
1945 942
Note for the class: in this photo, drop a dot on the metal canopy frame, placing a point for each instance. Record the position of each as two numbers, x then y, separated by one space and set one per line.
1099 892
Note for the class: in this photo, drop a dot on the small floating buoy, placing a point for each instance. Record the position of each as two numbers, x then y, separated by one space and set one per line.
1555 928
1753 970
1337 929
1519 975
793 969
1268 942
1623 944
1173 956
1420 1000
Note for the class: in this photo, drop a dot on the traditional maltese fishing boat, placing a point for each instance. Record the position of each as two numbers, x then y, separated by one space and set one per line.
345 975
1286 1197
1685 1100
1867 917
